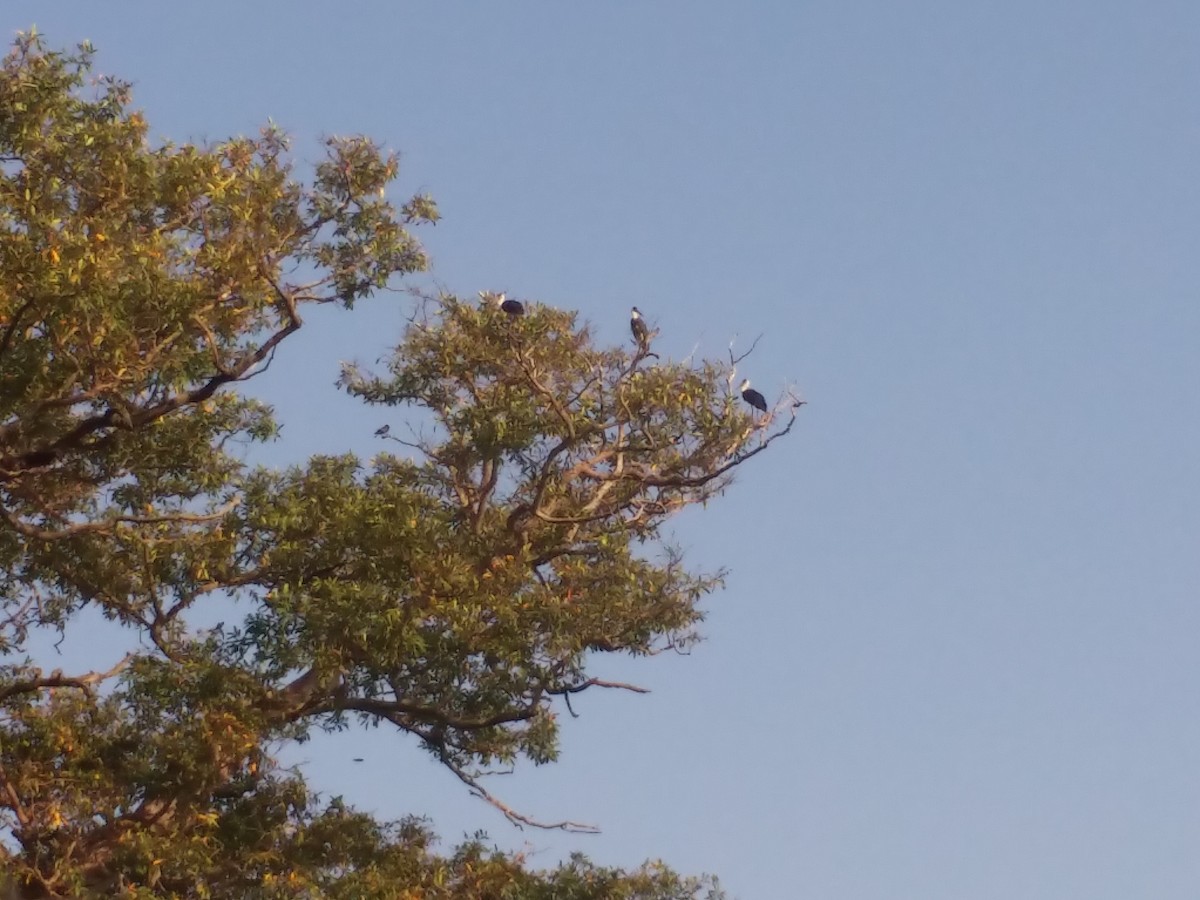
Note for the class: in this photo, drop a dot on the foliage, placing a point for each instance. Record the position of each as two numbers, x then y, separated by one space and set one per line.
455 588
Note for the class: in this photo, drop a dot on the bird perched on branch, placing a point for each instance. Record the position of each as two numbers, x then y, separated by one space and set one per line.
512 307
382 432
638 326
753 397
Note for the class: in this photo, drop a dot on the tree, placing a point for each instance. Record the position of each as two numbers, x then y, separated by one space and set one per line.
455 588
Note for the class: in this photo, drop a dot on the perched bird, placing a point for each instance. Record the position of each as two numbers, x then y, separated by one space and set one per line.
638 326
512 307
382 432
753 397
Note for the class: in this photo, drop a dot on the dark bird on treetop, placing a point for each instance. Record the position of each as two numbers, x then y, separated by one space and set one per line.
638 326
753 397
382 432
512 307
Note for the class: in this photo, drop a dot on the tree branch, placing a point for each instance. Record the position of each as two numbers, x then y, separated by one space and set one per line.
12 326
111 522
734 361
12 467
600 682
397 711
482 793
83 683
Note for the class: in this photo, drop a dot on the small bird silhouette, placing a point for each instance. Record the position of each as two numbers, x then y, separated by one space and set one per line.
382 432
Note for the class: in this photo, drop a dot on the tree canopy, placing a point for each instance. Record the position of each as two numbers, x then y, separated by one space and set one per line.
454 588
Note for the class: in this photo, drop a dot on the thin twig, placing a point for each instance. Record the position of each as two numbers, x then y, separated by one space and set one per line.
511 814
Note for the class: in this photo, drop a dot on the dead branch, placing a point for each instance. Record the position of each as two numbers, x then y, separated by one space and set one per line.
483 794
733 361
597 682
83 683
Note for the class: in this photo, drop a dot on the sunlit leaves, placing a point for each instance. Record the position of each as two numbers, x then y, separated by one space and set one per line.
457 587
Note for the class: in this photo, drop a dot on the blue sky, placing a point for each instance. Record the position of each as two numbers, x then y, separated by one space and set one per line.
957 654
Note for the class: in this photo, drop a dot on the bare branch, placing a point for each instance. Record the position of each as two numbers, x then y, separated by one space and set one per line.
110 523
597 682
650 479
733 361
83 683
511 814
14 801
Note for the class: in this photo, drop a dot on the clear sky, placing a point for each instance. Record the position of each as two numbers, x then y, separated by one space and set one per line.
957 656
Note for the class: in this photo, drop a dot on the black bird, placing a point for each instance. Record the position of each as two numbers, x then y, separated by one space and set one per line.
382 432
638 326
753 397
512 307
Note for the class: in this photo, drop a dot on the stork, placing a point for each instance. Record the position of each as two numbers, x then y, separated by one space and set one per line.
753 397
513 307
638 326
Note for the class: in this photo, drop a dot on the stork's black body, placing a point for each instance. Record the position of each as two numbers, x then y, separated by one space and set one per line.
513 307
637 325
753 397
